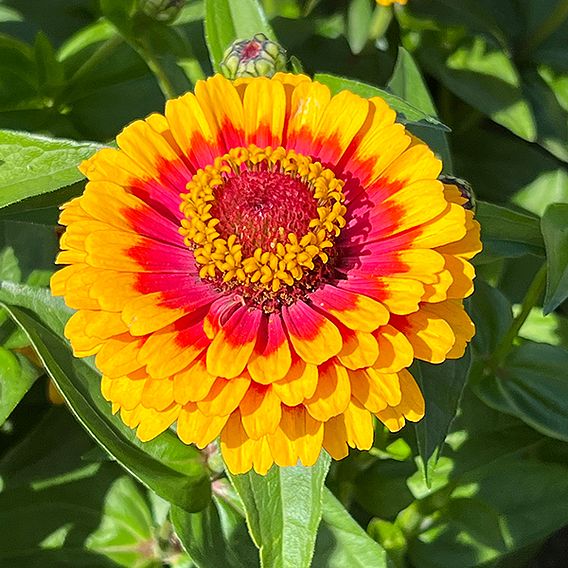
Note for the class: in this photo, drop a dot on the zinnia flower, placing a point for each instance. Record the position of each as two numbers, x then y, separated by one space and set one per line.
263 263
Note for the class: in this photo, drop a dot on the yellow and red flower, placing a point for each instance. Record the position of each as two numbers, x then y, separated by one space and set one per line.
263 263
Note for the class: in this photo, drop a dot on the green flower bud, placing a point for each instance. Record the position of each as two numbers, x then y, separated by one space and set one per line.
162 10
256 57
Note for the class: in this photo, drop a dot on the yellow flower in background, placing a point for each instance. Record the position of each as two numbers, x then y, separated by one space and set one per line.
263 262
391 2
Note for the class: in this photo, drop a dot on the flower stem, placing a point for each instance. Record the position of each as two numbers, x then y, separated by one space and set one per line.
547 28
533 294
101 54
166 86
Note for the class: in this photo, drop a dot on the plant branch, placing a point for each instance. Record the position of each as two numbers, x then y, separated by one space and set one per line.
166 86
533 294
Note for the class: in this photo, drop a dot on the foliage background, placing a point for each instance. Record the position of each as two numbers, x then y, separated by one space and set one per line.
486 489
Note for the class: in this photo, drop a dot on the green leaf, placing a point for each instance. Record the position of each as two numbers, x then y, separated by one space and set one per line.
342 542
17 375
483 75
359 15
51 500
442 387
31 165
283 510
407 113
491 312
532 385
407 83
229 20
508 233
496 520
174 471
555 231
125 534
216 537
9 266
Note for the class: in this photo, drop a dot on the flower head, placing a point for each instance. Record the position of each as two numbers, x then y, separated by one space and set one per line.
263 263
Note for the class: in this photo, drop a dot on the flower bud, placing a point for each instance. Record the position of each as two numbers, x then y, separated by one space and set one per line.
256 57
162 10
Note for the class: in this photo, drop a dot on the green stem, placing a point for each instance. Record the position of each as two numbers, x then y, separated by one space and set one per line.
166 86
533 294
99 56
546 28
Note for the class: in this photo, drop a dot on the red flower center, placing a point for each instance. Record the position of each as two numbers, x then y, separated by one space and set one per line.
262 207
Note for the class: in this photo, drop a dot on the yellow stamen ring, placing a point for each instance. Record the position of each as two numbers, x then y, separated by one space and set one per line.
286 262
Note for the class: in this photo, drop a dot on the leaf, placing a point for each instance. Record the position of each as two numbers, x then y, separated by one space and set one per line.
51 499
492 315
482 75
283 511
472 531
508 233
9 267
532 385
407 83
359 15
125 534
555 231
216 537
442 387
229 20
342 542
408 114
174 471
31 165
17 375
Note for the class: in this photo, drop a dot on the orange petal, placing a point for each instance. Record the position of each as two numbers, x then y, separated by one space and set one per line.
335 438
359 349
260 411
224 396
299 384
193 383
314 337
358 426
194 427
153 422
299 436
158 394
271 358
230 351
395 351
332 393
236 447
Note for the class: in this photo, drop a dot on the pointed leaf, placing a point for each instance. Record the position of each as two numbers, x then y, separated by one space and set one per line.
283 510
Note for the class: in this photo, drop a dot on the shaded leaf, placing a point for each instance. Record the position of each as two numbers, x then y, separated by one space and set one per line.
342 542
174 471
17 375
216 537
508 233
533 386
407 83
555 232
442 387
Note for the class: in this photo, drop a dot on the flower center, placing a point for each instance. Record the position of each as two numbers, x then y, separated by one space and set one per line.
262 220
261 208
